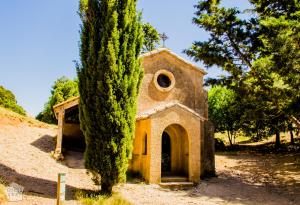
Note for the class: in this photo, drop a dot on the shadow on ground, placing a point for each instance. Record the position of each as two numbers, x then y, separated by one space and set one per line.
46 143
33 185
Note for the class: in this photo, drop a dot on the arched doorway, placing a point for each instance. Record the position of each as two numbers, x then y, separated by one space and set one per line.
175 151
166 154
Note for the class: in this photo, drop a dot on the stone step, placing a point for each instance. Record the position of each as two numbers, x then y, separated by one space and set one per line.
176 185
174 179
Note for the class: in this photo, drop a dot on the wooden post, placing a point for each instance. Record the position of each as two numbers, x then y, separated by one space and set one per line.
61 118
61 189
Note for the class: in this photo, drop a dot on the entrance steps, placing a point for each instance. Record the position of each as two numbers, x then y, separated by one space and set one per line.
175 182
174 179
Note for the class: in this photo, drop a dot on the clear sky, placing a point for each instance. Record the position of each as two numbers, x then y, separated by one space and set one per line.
39 41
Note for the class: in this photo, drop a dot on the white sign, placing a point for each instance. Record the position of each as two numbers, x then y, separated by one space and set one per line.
14 192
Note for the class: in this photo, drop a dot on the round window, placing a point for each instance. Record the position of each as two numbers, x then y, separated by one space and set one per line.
164 80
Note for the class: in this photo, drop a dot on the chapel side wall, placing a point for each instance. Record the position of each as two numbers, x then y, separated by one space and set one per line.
139 162
207 145
72 131
188 89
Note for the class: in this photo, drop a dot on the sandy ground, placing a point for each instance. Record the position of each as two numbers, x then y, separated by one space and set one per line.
243 178
25 159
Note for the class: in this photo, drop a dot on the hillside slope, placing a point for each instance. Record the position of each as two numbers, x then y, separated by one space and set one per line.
243 178
25 146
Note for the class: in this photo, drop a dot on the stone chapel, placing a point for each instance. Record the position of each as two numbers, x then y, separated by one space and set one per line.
173 137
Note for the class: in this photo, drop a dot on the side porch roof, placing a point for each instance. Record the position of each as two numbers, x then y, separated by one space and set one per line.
72 102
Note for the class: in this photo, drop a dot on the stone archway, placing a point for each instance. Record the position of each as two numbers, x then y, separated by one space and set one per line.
175 151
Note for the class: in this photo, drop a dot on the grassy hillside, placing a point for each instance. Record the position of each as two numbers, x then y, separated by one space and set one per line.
12 118
8 100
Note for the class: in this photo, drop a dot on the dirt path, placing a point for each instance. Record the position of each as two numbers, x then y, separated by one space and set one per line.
243 178
25 159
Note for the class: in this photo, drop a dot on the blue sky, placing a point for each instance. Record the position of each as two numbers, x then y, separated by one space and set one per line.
39 41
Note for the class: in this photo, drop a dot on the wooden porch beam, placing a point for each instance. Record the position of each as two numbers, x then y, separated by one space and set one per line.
58 149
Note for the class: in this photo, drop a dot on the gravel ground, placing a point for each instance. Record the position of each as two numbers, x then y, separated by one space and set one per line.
242 178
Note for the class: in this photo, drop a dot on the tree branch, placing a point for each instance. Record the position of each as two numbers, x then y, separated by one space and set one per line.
236 48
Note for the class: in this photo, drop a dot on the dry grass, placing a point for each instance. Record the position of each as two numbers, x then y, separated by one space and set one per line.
12 118
88 198
224 137
3 197
241 139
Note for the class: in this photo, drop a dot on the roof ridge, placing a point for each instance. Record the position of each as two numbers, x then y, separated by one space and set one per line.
159 50
163 106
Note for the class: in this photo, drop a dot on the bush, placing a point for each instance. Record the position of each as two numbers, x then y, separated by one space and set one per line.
219 145
93 198
8 101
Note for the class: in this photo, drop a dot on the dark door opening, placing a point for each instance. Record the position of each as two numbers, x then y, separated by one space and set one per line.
166 154
73 138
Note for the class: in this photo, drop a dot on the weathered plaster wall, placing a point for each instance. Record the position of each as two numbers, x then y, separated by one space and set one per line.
188 88
140 161
208 151
71 130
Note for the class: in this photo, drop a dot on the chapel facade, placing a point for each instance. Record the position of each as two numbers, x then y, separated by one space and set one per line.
173 136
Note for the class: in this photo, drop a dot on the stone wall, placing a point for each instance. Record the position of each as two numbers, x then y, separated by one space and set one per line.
140 161
208 151
191 124
188 89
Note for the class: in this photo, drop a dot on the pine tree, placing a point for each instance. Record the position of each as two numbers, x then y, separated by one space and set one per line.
109 78
260 55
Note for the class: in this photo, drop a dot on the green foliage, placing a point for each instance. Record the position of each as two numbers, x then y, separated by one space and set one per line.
261 56
232 43
224 111
151 38
8 100
109 77
280 22
62 90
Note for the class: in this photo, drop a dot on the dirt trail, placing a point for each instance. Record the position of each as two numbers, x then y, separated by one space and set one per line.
243 178
25 159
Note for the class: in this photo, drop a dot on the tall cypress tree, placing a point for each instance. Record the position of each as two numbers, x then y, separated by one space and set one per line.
109 77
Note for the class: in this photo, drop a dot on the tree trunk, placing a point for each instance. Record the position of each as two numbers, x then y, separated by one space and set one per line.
106 188
229 138
292 137
277 143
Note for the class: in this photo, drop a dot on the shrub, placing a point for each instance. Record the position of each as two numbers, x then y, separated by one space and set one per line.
95 199
219 145
8 100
